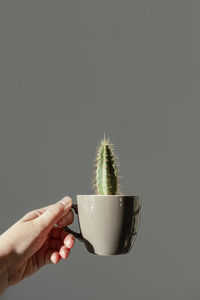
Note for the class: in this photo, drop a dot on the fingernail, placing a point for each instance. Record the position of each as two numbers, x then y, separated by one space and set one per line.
66 201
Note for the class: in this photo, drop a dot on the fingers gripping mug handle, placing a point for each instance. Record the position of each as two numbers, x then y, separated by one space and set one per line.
77 235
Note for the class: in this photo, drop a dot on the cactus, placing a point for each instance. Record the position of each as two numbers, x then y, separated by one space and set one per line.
106 172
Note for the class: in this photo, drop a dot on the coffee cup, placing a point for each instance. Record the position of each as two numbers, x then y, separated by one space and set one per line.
108 223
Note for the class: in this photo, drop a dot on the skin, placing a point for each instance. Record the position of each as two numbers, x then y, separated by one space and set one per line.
37 239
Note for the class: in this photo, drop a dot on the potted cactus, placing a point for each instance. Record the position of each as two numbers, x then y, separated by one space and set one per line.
108 221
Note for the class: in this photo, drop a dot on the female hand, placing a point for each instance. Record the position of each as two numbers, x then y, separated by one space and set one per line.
35 241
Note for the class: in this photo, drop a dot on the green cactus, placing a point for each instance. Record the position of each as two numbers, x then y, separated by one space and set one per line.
106 173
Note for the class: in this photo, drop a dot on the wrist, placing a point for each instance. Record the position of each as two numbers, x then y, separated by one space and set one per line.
3 271
7 256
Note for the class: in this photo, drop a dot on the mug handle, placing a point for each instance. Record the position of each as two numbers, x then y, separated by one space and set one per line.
76 234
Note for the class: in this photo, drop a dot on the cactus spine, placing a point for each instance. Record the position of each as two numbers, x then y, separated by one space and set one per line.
106 173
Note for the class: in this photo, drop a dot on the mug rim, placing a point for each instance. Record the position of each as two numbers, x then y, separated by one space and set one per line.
112 195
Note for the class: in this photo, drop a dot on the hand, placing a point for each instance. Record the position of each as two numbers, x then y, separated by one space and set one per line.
34 241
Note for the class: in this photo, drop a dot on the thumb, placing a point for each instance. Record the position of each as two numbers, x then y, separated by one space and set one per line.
55 211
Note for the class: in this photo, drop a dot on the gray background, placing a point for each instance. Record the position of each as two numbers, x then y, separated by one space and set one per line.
72 70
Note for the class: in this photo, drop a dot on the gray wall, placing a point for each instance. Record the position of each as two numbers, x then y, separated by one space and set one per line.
72 70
